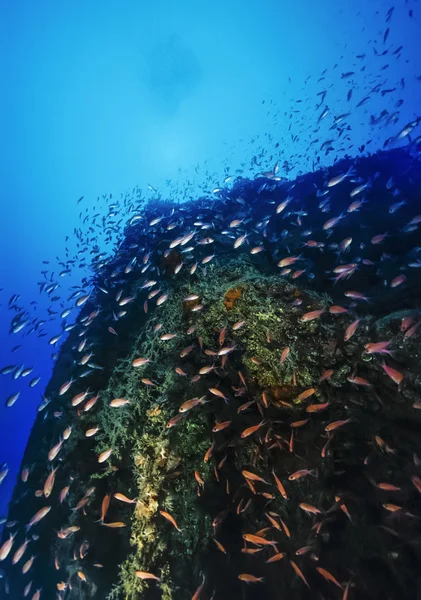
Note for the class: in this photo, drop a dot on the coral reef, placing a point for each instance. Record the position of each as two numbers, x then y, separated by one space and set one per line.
232 338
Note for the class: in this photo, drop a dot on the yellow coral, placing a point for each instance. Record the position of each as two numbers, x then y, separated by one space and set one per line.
231 296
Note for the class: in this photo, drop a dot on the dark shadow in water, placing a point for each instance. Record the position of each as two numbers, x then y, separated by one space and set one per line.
171 72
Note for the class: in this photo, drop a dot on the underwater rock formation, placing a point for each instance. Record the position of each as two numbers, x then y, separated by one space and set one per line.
266 449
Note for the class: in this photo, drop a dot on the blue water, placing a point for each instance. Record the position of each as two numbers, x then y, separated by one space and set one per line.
100 97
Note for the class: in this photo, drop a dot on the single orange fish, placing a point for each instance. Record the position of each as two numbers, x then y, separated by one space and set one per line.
351 329
253 476
208 453
328 576
251 430
280 486
312 408
388 487
296 424
299 572
124 498
258 540
417 482
336 425
285 528
309 508
118 402
105 455
358 380
312 315
273 522
169 518
139 362
326 375
250 578
189 404
304 395
220 546
199 590
146 575
394 375
276 557
302 473
285 354
392 507
220 426
337 310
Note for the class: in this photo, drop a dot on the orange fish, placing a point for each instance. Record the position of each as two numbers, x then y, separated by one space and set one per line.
251 430
309 508
55 450
328 576
394 375
118 402
90 404
253 476
280 486
105 455
38 516
258 540
312 315
289 260
417 482
220 426
245 406
199 479
284 354
302 473
79 398
28 565
285 528
299 572
189 404
383 445
326 375
250 578
124 498
199 590
49 483
304 395
139 362
351 329
312 408
296 424
220 546
7 546
251 550
146 575
392 507
114 525
337 310
276 557
358 380
336 425
208 453
345 596
169 518
388 487
273 522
